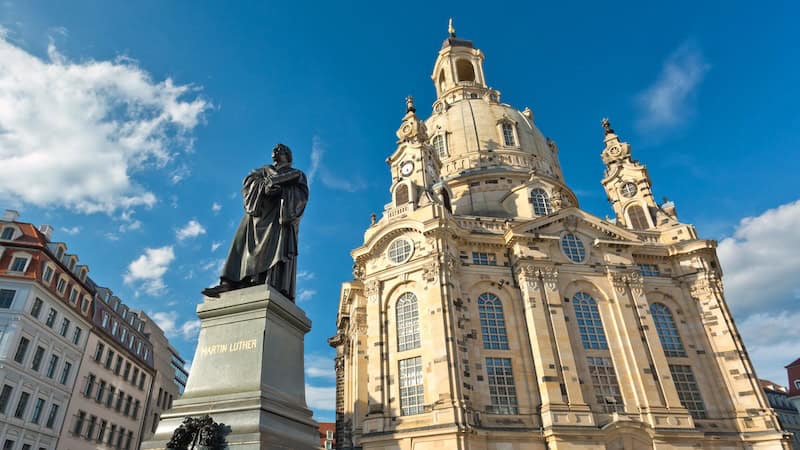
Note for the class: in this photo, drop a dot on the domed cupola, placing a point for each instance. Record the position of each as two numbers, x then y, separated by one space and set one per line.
492 156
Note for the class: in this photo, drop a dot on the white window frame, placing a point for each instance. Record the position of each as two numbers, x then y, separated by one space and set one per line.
14 233
21 255
411 386
540 199
63 287
48 266
390 251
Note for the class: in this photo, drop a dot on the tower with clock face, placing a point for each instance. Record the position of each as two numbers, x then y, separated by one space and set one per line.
488 311
415 166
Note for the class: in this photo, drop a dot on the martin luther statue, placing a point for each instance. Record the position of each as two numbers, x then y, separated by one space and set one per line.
264 248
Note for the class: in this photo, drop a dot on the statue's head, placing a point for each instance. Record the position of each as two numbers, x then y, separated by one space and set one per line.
281 154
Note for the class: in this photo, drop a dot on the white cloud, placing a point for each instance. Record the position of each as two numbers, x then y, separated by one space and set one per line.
305 295
305 275
130 226
318 169
105 121
190 328
179 174
215 245
319 366
111 236
667 102
191 230
213 265
168 322
149 269
771 341
71 230
760 261
216 207
323 398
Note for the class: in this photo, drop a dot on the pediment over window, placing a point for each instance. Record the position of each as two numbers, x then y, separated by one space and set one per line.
572 219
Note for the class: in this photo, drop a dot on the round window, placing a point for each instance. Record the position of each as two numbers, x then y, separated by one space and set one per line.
400 250
629 189
573 248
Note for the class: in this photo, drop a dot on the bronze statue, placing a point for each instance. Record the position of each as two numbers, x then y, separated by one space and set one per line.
264 248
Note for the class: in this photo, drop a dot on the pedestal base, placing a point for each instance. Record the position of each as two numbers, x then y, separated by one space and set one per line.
247 373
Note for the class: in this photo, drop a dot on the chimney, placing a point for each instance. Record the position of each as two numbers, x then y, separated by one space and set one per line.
10 215
46 230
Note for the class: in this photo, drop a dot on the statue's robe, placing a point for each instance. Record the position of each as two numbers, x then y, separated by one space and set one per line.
264 248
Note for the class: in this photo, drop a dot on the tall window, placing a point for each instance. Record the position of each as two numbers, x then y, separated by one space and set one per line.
48 274
493 324
65 372
501 386
64 327
37 411
604 381
573 248
51 367
590 325
407 322
51 418
688 391
412 394
36 309
541 202
51 318
22 349
8 233
22 405
5 396
637 218
508 134
667 331
36 364
440 145
6 298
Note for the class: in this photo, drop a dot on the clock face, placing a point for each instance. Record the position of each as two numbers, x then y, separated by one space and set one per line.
407 168
629 189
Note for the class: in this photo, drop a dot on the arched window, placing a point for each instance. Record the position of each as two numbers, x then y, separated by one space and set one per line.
465 70
407 322
508 134
441 81
573 247
541 202
493 323
637 218
440 145
401 195
446 200
590 325
667 331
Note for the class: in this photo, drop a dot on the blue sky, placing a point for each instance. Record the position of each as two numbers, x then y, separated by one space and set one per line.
129 126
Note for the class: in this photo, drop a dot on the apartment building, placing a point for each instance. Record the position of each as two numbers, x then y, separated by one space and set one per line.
45 317
114 382
171 376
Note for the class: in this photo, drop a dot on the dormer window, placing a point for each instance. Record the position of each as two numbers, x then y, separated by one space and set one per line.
73 296
541 202
19 264
48 273
61 285
8 233
60 253
85 304
508 134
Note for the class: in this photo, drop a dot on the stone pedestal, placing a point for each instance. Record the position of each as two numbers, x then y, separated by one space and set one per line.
247 373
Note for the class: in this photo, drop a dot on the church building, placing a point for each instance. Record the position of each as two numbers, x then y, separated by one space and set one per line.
487 311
